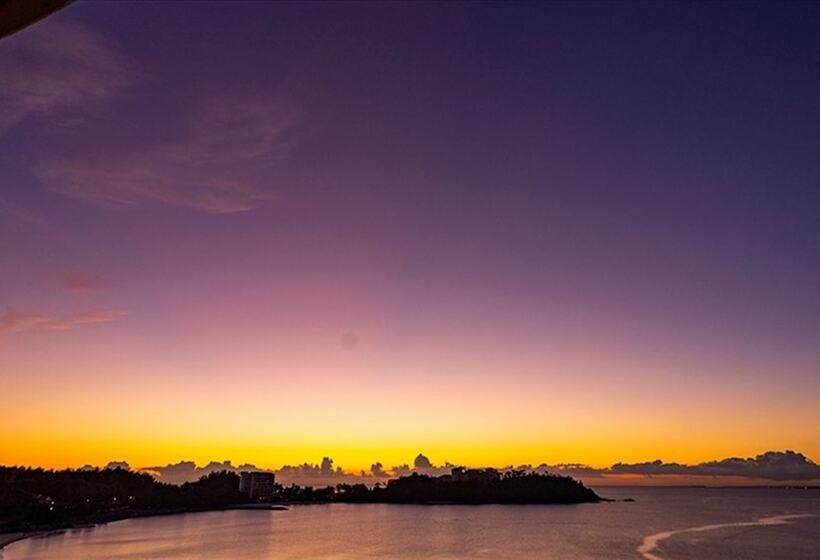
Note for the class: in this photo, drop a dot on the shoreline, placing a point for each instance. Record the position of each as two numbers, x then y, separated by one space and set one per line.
9 538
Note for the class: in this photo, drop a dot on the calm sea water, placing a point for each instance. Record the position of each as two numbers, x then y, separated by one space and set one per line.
674 523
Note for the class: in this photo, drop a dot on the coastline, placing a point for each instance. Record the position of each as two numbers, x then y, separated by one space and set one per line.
111 517
10 538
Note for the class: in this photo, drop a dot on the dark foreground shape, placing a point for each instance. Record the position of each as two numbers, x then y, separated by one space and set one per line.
37 499
485 486
17 14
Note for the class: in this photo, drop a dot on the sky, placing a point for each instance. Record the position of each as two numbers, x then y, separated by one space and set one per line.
495 233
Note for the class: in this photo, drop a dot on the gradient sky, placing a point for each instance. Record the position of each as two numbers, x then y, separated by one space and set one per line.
495 233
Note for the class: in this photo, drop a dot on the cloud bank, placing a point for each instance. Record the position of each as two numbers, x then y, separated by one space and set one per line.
323 473
772 466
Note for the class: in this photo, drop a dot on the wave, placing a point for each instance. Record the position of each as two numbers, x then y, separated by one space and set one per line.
650 543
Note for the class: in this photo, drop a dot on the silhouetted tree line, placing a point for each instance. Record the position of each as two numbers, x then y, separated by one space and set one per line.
37 497
485 486
470 486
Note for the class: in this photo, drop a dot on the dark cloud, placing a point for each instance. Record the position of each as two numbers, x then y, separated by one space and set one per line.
576 470
402 470
772 465
377 471
423 465
321 474
422 462
324 473
777 466
323 469
188 471
111 466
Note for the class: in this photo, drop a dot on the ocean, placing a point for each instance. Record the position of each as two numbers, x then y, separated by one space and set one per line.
662 523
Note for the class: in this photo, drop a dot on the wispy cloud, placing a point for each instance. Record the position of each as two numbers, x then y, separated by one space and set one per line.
220 164
15 321
77 282
55 66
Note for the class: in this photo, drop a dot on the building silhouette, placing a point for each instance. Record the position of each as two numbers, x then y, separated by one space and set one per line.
258 486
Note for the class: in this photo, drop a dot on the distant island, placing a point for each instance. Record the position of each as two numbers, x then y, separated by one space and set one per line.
38 499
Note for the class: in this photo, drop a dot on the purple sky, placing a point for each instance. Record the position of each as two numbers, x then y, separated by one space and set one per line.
617 202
